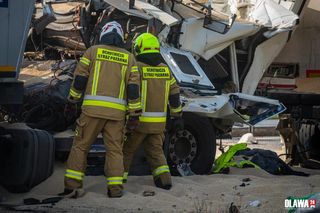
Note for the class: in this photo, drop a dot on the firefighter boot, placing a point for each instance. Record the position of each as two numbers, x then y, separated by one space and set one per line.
72 193
115 191
163 181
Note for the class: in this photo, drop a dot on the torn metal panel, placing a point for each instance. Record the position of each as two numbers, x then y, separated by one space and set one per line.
144 10
270 14
209 43
164 17
124 7
236 107
264 54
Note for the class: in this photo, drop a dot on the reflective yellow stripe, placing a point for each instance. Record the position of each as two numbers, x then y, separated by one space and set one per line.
122 85
152 119
96 78
160 170
74 93
74 174
173 80
84 62
125 175
166 96
135 105
175 110
144 95
115 183
73 177
104 104
115 180
85 59
134 69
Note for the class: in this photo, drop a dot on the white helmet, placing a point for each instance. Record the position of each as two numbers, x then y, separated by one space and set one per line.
111 27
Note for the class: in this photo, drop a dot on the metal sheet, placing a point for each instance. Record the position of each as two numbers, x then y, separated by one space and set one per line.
264 54
164 17
144 10
124 7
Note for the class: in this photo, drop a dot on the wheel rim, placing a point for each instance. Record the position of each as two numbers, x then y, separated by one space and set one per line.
182 147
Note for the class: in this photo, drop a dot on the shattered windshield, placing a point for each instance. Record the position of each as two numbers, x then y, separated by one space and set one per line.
252 111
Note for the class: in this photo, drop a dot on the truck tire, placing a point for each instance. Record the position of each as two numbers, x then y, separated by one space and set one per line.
195 145
309 135
26 158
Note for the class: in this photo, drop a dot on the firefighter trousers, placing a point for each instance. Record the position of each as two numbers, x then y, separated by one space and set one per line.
87 130
153 148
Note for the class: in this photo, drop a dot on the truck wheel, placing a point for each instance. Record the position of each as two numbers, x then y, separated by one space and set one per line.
195 145
309 135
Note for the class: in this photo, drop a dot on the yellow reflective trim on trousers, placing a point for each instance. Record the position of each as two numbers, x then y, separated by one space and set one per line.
175 110
74 174
115 183
95 78
152 119
115 180
104 104
166 96
125 175
73 177
160 170
144 95
122 85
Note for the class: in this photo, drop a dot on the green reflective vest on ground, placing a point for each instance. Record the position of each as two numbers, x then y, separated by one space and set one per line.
228 159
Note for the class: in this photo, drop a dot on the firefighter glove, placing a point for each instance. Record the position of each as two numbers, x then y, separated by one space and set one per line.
132 123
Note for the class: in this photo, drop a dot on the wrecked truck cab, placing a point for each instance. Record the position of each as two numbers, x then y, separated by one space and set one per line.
208 113
207 101
201 48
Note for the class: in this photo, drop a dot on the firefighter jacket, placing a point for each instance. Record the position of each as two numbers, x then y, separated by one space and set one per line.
158 89
109 78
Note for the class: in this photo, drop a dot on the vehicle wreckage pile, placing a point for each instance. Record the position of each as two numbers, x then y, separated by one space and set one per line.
217 63
62 30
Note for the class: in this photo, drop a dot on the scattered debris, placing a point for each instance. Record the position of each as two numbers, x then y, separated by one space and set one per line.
248 138
45 104
246 179
242 185
184 169
239 155
148 193
233 209
255 203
